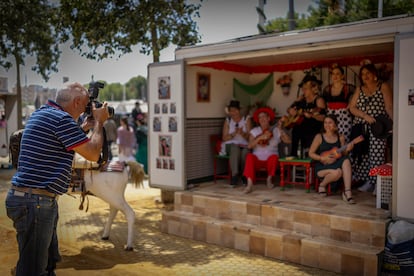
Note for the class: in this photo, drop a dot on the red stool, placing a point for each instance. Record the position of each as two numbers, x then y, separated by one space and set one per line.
307 163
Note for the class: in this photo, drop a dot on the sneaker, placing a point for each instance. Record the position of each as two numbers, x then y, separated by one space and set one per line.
366 187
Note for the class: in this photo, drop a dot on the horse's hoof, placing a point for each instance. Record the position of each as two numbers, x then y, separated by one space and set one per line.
105 238
129 248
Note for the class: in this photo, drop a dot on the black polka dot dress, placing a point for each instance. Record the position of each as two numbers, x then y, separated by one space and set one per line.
373 106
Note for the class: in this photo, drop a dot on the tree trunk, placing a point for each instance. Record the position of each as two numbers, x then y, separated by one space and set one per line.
19 95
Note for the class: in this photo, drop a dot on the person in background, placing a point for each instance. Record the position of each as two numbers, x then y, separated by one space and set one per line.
134 115
50 139
337 96
310 109
111 135
263 141
141 134
126 141
235 133
330 166
371 99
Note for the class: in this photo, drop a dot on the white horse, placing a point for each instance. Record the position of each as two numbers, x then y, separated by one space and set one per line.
110 187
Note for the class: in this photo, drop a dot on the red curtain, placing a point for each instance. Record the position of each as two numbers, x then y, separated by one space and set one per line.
347 61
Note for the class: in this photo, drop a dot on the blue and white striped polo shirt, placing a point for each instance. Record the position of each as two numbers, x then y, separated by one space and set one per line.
46 150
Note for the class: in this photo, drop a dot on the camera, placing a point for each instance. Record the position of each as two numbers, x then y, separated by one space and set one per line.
93 92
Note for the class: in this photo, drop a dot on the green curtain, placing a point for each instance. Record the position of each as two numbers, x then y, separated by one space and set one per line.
253 95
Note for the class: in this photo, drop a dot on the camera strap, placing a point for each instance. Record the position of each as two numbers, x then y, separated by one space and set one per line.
103 157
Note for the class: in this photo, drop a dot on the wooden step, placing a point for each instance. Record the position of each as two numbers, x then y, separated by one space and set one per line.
346 226
283 244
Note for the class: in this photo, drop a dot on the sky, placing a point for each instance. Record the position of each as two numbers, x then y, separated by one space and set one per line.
219 20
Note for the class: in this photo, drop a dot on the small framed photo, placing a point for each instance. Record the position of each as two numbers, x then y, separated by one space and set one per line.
203 87
173 108
157 108
172 164
164 88
164 108
172 124
165 164
156 123
164 143
411 97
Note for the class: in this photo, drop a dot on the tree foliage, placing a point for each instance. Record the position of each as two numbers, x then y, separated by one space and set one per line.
28 29
102 28
135 88
330 12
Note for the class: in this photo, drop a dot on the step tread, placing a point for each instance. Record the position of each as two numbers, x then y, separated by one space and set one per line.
269 230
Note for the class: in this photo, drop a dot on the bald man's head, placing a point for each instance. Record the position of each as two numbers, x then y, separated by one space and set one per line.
73 99
68 94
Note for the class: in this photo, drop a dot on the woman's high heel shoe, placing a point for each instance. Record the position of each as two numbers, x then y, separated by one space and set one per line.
348 200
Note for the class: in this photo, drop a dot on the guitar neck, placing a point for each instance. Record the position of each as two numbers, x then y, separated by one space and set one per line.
355 141
341 149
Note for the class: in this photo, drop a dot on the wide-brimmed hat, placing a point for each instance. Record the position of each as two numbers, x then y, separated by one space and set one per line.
382 126
267 110
311 78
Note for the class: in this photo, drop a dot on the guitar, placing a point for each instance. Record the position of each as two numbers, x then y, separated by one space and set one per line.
336 152
292 120
296 116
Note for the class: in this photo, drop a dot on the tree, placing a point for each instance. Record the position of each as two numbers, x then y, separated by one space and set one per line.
136 88
282 24
27 29
102 28
330 12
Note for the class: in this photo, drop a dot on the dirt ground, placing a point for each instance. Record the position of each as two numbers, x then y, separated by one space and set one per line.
155 253
81 248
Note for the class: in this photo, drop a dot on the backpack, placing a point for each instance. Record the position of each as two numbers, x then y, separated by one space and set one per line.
14 146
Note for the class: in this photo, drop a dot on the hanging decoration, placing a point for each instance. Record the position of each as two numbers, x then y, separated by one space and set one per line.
285 82
251 96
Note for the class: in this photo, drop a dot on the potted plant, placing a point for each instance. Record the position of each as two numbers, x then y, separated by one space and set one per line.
285 82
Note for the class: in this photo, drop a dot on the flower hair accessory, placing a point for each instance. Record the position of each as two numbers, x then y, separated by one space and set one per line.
365 62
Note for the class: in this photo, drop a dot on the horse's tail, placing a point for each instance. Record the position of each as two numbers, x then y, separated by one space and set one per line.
136 173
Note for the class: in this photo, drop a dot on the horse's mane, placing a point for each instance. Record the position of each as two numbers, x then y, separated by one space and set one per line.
136 173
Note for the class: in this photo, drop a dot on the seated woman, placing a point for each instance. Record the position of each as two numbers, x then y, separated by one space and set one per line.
332 165
236 130
263 141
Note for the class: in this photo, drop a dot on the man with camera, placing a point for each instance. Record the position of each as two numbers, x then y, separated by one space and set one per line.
49 141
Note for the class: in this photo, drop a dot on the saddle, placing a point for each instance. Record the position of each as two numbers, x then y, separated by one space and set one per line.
113 166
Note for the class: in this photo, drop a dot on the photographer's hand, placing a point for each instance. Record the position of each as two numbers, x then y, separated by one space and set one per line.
100 114
88 123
